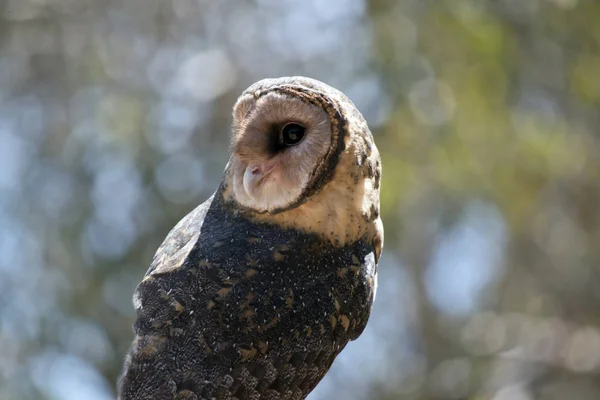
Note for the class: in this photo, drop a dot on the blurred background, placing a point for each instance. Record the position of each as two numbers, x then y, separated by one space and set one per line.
114 124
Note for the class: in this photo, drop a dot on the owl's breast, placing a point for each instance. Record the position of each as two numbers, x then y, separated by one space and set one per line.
253 297
282 287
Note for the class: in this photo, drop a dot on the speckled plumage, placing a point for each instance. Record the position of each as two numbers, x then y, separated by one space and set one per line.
245 305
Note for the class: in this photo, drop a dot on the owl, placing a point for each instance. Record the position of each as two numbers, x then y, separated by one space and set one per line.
254 293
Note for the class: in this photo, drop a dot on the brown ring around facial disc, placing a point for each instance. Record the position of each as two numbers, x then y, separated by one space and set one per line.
326 167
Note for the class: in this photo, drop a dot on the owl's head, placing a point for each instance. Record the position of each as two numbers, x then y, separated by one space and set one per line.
301 152
285 141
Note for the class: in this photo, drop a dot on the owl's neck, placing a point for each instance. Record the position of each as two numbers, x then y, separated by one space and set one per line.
344 211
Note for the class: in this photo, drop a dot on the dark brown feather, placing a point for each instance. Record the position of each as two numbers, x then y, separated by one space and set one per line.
252 312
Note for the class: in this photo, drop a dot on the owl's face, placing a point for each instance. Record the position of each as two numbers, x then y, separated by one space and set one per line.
303 158
278 143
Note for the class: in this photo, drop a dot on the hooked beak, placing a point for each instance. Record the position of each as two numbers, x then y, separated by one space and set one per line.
255 175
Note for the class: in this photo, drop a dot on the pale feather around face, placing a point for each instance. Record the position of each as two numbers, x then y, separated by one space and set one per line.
337 172
283 172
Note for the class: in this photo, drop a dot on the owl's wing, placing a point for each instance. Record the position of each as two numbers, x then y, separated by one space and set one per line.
179 242
144 374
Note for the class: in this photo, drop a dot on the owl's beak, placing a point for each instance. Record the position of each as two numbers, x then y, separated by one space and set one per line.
255 175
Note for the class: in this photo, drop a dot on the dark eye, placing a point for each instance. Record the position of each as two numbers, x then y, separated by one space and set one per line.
292 134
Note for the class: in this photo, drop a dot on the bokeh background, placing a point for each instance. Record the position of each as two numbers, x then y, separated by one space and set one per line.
114 123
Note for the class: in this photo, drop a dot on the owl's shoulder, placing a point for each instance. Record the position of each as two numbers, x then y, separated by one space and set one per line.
178 243
217 261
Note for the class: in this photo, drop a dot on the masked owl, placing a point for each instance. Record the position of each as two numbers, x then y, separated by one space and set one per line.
255 292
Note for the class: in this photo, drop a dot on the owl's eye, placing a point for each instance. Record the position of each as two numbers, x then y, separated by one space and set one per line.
292 134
